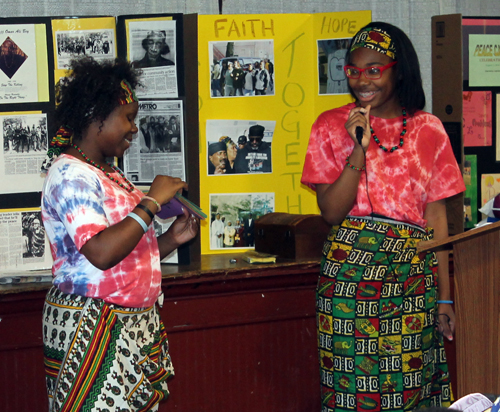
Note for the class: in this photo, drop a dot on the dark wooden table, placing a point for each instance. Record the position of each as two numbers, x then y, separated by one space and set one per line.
242 338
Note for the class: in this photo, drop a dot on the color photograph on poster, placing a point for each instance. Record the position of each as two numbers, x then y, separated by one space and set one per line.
98 44
25 144
158 147
484 61
232 218
331 62
242 68
18 64
471 191
477 118
152 49
239 146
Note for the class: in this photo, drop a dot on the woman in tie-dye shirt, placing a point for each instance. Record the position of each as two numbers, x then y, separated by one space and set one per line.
382 169
105 345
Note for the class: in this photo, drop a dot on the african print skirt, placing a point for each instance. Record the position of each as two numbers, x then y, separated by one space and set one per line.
376 301
103 357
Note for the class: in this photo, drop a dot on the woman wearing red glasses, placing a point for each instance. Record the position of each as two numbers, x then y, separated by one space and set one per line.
382 169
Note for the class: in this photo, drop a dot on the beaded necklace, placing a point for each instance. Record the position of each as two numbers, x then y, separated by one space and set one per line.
130 187
401 136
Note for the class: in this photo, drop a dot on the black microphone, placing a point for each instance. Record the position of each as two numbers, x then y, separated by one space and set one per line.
359 134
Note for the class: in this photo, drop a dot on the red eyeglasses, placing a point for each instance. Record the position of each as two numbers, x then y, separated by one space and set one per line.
372 73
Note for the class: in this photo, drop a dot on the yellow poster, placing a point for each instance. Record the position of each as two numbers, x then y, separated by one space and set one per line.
95 37
263 80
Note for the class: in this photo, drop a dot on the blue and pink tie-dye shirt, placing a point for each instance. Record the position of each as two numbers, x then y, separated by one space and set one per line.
79 201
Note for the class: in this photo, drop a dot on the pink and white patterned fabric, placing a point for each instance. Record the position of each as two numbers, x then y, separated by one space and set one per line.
400 183
78 202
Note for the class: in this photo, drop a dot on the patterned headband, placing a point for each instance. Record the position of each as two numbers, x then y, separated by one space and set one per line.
64 135
374 39
128 94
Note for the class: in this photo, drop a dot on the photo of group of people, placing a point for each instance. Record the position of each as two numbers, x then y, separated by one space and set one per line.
98 44
242 68
239 146
19 136
232 223
159 134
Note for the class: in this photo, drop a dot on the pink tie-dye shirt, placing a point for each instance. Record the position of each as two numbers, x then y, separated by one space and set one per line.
79 201
401 183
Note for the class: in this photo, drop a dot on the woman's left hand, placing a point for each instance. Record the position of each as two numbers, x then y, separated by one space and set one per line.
445 321
184 228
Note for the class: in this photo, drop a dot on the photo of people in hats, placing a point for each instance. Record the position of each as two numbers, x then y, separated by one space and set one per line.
239 146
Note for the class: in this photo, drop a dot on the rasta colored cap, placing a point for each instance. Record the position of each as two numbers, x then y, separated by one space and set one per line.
375 39
226 139
128 95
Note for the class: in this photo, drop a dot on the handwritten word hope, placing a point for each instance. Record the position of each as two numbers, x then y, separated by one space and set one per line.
250 27
331 25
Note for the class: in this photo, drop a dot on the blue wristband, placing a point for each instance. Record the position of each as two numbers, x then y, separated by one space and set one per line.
450 302
139 220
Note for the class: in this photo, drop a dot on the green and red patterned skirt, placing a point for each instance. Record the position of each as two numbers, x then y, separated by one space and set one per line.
376 302
103 357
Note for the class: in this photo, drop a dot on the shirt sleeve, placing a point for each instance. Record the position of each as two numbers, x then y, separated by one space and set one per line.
76 197
322 165
446 179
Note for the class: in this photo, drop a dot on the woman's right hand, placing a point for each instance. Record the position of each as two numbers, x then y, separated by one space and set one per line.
359 116
164 188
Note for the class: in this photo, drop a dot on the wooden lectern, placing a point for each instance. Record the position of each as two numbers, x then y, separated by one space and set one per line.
476 256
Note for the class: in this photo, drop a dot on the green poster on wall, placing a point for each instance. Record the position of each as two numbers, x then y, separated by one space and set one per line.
484 60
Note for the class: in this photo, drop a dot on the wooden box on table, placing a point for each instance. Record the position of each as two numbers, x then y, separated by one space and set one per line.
291 236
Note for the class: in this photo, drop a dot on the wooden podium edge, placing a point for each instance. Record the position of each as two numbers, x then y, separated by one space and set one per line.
447 244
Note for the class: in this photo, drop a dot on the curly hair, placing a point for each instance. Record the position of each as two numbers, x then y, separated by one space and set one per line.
90 92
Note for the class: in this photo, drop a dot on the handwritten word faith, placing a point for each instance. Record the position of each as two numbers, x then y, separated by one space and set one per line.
250 27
